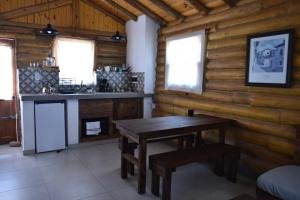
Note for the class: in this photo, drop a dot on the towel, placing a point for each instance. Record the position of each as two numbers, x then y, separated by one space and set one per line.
93 128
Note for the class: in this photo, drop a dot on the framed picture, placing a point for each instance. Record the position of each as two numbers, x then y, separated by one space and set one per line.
269 59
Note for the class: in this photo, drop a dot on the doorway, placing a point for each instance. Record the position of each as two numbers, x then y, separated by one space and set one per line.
8 128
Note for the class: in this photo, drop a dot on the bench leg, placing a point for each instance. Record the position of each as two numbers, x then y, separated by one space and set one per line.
130 165
155 184
233 167
219 166
167 180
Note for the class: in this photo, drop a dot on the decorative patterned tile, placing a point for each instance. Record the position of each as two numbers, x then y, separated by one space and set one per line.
32 80
122 80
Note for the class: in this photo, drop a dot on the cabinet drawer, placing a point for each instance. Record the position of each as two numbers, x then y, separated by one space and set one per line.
97 108
128 109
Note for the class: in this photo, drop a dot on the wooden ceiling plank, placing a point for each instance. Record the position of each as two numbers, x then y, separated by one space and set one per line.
100 9
28 10
75 14
146 11
198 5
231 3
168 9
123 10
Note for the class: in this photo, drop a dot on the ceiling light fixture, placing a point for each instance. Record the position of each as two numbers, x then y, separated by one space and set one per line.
48 30
117 36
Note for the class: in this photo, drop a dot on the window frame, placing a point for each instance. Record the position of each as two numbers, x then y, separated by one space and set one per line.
54 53
201 67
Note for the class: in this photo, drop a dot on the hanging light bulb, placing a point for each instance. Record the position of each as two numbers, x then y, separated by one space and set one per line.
48 30
117 36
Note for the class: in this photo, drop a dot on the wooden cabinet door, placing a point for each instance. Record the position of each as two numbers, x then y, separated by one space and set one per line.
128 108
7 121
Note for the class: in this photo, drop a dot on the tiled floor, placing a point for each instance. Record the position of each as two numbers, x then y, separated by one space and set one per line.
91 172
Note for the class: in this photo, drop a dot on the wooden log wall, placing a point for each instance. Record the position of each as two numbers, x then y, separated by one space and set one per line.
265 116
36 48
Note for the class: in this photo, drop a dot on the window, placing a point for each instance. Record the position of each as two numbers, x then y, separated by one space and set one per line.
184 62
6 71
75 59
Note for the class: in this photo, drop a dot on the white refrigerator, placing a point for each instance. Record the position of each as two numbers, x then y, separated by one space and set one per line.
50 126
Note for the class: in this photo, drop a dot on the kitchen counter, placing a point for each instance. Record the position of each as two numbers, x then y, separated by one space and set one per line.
72 105
96 95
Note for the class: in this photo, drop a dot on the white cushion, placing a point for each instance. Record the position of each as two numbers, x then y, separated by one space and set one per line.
282 182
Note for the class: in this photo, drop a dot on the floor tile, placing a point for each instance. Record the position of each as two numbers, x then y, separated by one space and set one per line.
75 188
20 179
31 193
91 171
104 196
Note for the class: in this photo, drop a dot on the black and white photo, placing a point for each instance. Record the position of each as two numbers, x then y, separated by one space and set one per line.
269 59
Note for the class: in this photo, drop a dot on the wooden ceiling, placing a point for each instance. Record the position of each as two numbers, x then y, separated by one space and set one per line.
162 11
103 15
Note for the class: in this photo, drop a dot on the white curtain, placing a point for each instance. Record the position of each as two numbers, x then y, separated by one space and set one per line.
6 72
75 59
184 62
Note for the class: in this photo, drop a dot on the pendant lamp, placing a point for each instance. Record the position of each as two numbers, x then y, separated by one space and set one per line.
48 30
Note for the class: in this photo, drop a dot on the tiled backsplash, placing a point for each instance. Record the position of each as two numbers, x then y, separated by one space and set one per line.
122 80
32 80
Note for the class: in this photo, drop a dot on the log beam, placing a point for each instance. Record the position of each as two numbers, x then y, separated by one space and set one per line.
28 10
231 3
146 11
198 5
104 11
19 27
123 10
162 5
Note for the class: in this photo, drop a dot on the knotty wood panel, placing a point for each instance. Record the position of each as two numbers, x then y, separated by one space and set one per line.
265 116
89 17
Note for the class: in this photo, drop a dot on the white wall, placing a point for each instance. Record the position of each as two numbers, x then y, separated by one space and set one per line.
141 53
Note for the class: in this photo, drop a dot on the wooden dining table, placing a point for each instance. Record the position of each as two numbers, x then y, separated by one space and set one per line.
141 131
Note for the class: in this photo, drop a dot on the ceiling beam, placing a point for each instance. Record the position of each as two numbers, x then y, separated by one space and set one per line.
231 3
198 5
28 10
99 8
123 10
162 5
19 27
146 11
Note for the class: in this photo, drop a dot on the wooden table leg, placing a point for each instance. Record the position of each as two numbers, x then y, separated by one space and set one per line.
142 167
219 168
124 162
198 141
222 132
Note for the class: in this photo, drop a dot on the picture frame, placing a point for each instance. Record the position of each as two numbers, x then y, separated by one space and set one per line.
269 59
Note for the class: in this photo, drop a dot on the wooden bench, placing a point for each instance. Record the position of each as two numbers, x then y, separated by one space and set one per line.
164 164
183 142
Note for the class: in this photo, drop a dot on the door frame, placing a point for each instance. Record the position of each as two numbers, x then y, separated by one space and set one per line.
14 102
